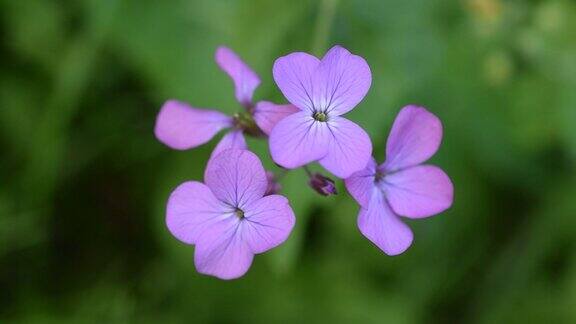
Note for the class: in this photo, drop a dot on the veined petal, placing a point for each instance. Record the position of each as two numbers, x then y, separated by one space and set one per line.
221 252
419 191
381 226
182 127
294 74
349 150
234 139
334 85
298 140
245 80
361 184
236 177
267 224
343 79
414 138
191 208
267 114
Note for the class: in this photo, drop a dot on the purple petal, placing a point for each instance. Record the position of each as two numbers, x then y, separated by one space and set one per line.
221 252
294 75
361 184
245 80
381 226
298 140
234 139
350 148
182 127
191 208
267 114
268 222
342 82
415 137
418 192
334 85
236 177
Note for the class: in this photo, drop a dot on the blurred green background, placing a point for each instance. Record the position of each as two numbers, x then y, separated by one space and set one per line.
83 181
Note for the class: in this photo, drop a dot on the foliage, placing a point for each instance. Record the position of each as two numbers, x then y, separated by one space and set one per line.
83 182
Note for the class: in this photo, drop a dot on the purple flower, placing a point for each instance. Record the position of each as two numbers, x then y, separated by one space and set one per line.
323 90
227 217
183 127
402 186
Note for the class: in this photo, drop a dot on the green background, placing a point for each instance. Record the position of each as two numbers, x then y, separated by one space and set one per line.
83 181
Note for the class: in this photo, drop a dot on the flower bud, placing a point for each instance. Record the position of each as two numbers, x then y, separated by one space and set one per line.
322 185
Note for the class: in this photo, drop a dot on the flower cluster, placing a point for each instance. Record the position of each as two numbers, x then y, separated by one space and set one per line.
237 212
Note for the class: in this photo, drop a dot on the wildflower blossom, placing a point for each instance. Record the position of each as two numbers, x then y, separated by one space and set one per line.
402 186
323 90
227 217
181 126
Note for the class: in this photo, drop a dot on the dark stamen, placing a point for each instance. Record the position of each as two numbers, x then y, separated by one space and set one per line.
244 121
320 116
379 176
239 212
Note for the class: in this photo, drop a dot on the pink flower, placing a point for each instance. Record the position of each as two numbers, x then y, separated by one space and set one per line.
227 217
323 90
402 186
183 127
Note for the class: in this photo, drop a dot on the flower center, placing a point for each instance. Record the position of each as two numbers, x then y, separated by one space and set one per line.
320 116
379 176
239 213
245 122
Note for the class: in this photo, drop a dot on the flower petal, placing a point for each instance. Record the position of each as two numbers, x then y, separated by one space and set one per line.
294 75
236 177
335 85
381 226
245 80
268 222
343 79
361 184
267 114
418 192
350 148
221 252
182 127
298 140
414 138
234 139
191 208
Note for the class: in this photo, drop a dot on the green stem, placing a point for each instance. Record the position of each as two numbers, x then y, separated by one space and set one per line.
326 13
308 172
281 174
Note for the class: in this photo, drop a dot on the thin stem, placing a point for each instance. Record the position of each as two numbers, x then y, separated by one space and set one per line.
308 172
326 13
283 172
